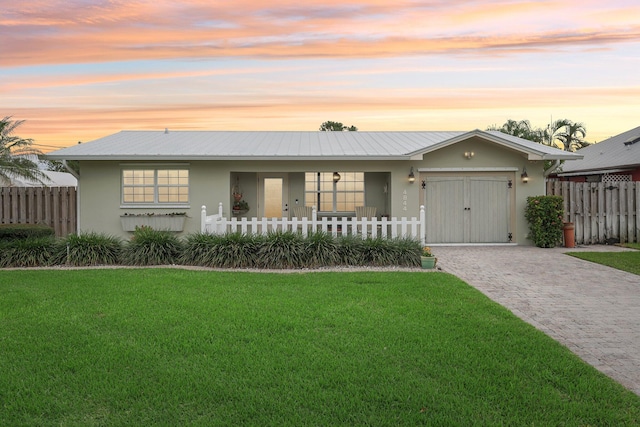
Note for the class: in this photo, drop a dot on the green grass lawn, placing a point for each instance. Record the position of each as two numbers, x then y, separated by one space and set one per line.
178 347
626 261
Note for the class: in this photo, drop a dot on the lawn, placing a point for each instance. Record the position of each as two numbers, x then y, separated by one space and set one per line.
626 261
180 347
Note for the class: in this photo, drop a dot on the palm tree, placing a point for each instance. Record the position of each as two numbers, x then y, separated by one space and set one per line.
16 154
572 136
521 129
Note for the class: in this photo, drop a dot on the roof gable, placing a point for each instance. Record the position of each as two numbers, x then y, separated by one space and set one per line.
275 145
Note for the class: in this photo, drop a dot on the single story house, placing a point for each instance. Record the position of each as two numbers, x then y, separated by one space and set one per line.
474 185
612 160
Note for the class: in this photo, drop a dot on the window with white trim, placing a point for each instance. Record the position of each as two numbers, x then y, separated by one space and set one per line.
334 196
155 186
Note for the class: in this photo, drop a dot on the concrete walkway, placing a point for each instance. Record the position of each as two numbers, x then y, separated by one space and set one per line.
592 309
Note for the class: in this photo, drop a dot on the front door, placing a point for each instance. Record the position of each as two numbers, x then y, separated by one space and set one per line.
274 195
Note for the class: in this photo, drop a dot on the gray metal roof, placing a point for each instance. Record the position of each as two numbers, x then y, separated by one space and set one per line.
617 152
273 145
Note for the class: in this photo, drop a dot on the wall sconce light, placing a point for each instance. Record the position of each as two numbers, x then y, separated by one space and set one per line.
524 176
469 154
336 177
412 177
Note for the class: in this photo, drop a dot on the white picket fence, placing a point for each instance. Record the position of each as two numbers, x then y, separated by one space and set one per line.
365 227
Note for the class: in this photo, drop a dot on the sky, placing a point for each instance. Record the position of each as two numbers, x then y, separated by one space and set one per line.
77 70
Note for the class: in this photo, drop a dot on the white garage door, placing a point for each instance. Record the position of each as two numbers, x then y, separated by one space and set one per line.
468 209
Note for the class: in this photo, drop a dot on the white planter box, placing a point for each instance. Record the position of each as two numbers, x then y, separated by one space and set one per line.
157 222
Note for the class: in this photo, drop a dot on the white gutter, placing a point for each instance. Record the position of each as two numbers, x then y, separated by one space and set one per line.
71 171
555 165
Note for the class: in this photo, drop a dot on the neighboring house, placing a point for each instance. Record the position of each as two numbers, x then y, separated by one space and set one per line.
612 160
471 183
53 179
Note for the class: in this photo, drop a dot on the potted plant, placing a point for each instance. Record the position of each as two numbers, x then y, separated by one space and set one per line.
240 207
427 259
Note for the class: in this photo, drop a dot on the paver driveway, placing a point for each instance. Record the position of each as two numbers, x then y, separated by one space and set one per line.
592 309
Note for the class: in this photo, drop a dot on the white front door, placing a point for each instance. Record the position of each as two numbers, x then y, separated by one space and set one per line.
274 195
468 209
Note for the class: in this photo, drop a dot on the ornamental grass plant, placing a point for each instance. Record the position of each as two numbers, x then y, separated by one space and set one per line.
91 249
321 250
231 250
281 249
152 247
29 252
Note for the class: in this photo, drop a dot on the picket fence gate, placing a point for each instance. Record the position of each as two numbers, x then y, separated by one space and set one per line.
53 206
365 227
602 212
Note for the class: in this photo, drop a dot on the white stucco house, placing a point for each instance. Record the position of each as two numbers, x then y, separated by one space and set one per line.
474 185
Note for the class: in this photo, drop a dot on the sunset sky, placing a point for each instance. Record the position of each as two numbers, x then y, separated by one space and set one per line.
77 70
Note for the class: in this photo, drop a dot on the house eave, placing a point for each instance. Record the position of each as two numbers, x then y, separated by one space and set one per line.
595 171
147 158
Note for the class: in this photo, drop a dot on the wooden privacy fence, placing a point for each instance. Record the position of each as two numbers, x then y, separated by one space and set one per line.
53 206
602 212
373 227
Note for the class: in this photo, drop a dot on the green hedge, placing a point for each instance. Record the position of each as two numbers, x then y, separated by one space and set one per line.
24 231
277 250
544 214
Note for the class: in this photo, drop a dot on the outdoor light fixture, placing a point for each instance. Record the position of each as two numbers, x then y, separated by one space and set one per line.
524 176
336 177
412 177
469 154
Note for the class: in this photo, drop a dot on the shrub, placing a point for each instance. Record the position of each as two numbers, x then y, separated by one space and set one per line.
407 252
151 247
378 251
281 250
321 250
24 231
233 250
350 250
544 214
91 249
29 252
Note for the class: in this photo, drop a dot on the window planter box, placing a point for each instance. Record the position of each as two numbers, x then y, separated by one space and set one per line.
157 222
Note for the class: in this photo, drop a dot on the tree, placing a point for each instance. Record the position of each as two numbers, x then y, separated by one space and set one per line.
330 126
16 154
572 135
521 129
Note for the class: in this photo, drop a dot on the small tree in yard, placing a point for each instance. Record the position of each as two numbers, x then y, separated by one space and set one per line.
544 214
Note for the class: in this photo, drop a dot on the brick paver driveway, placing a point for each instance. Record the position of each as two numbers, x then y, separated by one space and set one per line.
592 309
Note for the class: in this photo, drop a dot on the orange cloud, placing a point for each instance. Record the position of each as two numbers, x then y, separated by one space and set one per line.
52 33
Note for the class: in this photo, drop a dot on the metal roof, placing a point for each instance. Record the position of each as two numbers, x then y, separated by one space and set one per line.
618 152
276 145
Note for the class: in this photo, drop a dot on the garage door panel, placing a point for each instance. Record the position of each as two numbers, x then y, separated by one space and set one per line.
445 205
488 219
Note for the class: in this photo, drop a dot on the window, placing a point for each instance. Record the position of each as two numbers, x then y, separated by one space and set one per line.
155 186
329 196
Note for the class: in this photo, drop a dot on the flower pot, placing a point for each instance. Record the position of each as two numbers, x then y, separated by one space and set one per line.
569 235
428 261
